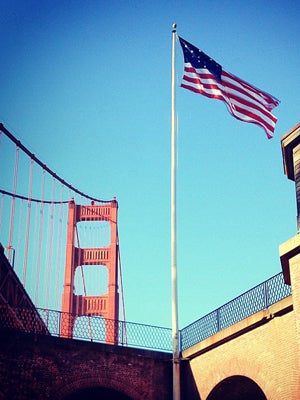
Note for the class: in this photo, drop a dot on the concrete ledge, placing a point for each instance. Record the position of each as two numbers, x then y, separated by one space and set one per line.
288 250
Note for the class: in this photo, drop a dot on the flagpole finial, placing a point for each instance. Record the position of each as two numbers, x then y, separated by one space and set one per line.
174 26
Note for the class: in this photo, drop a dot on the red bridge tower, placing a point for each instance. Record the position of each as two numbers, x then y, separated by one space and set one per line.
106 305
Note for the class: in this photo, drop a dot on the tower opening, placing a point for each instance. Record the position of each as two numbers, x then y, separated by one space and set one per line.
93 234
91 280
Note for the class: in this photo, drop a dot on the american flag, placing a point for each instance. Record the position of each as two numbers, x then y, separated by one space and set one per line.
245 102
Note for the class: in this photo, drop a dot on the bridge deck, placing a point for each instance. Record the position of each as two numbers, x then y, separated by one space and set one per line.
16 307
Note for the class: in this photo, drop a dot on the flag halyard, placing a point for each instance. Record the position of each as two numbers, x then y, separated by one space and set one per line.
244 101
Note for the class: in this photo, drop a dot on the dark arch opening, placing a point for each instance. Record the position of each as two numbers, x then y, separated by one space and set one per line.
237 388
97 393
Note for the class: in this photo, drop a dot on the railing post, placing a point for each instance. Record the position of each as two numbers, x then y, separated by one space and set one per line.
266 294
122 333
218 320
179 341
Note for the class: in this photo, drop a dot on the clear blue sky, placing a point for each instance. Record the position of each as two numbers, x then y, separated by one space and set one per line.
86 86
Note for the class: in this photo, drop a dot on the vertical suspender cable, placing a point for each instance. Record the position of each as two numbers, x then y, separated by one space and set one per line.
34 244
2 197
28 222
58 252
40 241
12 212
50 245
80 263
20 239
122 293
83 282
1 212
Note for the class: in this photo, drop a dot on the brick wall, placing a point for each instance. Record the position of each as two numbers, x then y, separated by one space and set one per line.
41 367
263 348
294 270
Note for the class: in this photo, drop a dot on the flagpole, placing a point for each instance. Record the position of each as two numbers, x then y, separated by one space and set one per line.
175 331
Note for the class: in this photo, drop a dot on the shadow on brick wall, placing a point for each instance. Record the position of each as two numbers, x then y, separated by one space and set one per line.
188 385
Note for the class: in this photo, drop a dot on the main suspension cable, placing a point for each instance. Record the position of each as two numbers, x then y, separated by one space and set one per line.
122 290
32 156
18 196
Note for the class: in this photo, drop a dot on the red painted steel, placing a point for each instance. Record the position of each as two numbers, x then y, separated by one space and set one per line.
106 305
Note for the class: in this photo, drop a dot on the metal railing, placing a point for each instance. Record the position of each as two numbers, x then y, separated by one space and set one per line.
256 299
98 329
89 328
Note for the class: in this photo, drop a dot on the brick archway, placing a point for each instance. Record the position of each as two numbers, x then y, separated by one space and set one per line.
237 388
95 393
92 387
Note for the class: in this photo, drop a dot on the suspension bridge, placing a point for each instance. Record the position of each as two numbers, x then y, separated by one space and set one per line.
53 235
58 239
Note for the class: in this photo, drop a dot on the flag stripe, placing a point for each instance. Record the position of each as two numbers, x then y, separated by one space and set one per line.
240 102
258 95
212 90
248 92
244 101
242 114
